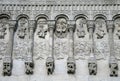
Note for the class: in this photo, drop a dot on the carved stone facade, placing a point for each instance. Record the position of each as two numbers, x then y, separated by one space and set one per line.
65 40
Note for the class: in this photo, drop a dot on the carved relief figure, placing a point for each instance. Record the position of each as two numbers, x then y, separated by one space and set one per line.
100 32
61 28
22 28
42 28
80 27
3 27
113 69
117 27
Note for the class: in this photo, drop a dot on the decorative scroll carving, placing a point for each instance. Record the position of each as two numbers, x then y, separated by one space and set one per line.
61 28
92 65
7 69
50 65
22 28
100 28
80 27
3 27
113 65
71 66
29 67
42 28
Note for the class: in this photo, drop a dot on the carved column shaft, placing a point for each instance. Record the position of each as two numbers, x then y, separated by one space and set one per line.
71 38
91 31
111 39
51 37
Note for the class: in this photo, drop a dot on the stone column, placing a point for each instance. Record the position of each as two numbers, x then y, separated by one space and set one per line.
29 64
50 60
71 66
113 65
7 60
92 64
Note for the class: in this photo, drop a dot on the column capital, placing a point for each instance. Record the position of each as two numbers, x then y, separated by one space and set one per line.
90 24
51 24
71 24
110 24
12 24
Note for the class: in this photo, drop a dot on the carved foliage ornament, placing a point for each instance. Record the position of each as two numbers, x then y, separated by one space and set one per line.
22 28
3 27
29 68
100 28
61 28
42 28
80 27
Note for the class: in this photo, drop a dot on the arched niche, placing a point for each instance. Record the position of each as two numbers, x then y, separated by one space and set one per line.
41 39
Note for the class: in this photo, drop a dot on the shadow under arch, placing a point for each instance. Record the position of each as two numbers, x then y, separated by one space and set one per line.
61 16
100 16
41 16
116 17
5 16
80 16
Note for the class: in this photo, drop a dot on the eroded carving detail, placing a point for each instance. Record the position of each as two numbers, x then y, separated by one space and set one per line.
71 66
29 68
22 28
7 68
117 27
50 65
100 32
42 28
61 28
92 65
3 27
113 68
80 27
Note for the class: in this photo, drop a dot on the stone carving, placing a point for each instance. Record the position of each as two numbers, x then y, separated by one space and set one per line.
7 69
3 27
92 65
113 68
80 24
42 28
117 27
100 31
71 66
22 28
29 68
50 65
61 28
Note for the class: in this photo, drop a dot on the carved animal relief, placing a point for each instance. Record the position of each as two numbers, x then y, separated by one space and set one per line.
50 65
42 28
61 28
80 27
22 28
